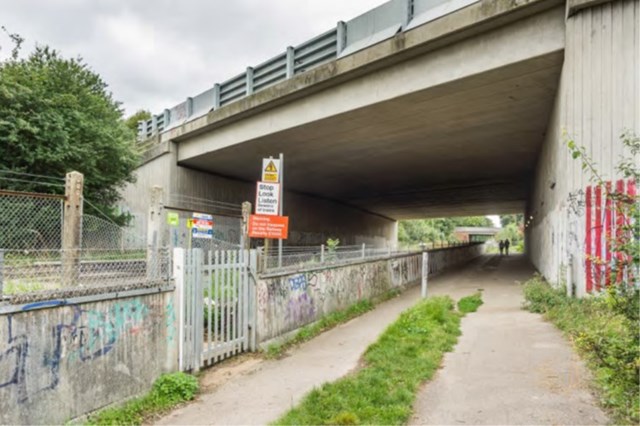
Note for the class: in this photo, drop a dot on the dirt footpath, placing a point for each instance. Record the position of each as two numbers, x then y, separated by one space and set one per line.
509 366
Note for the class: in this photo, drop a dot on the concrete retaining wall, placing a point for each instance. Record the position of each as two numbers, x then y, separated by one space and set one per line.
60 359
286 302
315 218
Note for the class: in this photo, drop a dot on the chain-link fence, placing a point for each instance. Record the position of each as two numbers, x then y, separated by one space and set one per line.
293 258
30 221
34 258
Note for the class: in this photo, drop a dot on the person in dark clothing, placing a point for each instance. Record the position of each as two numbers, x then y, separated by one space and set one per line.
506 246
501 246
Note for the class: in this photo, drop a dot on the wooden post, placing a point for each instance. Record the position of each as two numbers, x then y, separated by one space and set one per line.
245 241
72 228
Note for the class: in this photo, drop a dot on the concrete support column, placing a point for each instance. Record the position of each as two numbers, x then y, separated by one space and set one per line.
72 228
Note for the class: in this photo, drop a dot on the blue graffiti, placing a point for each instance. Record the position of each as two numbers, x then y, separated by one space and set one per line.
18 349
298 282
47 304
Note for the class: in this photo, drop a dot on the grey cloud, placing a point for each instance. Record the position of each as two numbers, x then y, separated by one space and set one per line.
155 54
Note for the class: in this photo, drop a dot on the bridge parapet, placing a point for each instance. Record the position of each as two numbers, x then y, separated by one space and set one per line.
372 27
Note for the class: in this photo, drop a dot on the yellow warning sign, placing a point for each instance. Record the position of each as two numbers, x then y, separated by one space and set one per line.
270 170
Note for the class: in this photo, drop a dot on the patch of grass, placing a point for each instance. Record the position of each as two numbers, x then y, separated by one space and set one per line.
325 323
168 391
406 354
606 338
470 304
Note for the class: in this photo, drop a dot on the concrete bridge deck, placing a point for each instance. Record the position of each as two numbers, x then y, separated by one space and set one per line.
509 367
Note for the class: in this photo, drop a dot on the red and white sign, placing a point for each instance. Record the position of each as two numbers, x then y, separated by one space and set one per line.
275 227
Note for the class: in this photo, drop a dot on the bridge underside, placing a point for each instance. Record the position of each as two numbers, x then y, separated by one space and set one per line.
467 147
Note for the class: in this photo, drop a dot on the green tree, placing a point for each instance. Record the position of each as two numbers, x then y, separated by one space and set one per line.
56 115
507 219
478 221
413 232
132 120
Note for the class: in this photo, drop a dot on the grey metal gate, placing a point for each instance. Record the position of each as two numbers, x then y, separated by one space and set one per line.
216 292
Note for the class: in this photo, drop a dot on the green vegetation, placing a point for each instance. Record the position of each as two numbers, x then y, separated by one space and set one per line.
470 304
57 115
408 353
167 392
606 332
325 323
413 232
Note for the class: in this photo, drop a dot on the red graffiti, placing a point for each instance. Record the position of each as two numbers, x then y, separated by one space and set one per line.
605 224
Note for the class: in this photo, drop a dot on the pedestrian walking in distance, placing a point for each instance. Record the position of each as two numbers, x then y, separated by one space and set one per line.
506 247
501 245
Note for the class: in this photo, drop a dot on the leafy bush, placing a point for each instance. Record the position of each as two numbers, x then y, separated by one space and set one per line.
540 296
606 332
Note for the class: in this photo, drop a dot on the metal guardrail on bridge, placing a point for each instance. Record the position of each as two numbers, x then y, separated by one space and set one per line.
370 28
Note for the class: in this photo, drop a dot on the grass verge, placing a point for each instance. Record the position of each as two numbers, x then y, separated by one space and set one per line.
276 350
606 333
470 304
406 354
168 391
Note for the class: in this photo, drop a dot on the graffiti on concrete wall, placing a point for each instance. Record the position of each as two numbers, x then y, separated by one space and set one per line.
87 335
605 224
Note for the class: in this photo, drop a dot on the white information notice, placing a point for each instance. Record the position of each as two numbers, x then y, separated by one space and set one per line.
268 198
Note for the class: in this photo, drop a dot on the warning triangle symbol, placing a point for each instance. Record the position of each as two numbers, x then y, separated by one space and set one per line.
271 167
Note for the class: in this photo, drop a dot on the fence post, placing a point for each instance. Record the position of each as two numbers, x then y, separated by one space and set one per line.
72 227
363 251
249 81
1 271
341 30
253 273
245 241
178 279
154 233
407 13
290 64
216 96
425 273
321 253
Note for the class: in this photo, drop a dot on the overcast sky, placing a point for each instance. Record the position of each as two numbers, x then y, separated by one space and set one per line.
153 54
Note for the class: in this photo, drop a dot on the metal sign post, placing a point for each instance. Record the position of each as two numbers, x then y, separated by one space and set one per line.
280 206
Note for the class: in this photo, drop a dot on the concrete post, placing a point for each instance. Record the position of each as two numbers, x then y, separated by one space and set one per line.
72 228
290 64
178 279
321 254
245 241
155 224
363 250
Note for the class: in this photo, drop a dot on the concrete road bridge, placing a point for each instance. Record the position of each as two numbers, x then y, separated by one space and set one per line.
421 108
